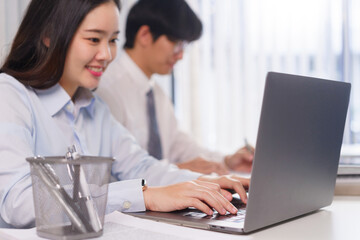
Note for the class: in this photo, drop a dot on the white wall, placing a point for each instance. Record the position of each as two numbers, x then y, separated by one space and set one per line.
11 13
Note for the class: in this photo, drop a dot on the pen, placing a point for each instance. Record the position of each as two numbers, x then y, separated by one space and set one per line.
81 189
51 182
248 146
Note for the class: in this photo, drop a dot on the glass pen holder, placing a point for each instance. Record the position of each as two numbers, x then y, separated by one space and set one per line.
70 195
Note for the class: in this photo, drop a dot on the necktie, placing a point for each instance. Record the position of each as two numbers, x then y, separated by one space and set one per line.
154 143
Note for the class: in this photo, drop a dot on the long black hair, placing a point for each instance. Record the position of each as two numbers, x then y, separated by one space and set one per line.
30 61
173 18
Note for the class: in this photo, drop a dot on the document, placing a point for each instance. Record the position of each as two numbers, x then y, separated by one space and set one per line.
116 225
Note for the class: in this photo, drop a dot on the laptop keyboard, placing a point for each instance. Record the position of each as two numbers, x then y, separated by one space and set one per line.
239 217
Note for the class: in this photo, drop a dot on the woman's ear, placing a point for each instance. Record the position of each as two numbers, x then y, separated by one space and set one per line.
46 41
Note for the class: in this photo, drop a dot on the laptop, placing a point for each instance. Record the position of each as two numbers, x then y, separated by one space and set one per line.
296 159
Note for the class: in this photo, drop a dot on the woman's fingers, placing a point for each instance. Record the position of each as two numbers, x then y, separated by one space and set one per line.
244 181
211 199
226 194
217 188
215 199
230 182
196 203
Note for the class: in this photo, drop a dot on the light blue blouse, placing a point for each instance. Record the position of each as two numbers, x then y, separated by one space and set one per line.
46 123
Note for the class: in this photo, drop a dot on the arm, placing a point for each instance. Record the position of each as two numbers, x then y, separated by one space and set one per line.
202 160
192 156
132 162
186 153
16 143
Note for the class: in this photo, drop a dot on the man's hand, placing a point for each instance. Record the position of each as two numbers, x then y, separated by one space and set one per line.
241 160
202 165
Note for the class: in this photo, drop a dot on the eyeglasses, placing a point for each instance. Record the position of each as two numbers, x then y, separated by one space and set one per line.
179 46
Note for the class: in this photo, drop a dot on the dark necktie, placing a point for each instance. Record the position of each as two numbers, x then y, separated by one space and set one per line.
154 143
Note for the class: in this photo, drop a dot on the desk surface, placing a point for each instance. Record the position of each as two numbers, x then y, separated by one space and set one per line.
338 221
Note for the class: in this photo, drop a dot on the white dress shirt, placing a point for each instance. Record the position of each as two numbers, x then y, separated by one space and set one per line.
46 123
124 87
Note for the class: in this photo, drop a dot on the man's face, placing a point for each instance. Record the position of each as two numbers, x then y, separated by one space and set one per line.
163 54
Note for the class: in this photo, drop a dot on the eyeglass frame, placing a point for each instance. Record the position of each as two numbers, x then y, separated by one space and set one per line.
180 45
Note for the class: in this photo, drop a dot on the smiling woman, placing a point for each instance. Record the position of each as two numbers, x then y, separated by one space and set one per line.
58 55
93 47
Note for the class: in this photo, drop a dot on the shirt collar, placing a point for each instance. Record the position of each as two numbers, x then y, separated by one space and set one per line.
56 98
140 79
85 99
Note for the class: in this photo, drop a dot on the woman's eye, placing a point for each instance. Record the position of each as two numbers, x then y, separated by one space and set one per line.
114 40
94 40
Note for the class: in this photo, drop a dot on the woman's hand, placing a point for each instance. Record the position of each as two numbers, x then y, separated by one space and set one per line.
231 182
203 195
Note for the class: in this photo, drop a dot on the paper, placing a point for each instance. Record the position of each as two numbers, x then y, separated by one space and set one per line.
114 231
114 228
19 234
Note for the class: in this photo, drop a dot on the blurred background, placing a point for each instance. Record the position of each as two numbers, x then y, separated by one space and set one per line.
217 88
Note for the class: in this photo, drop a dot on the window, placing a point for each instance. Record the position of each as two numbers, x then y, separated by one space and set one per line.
221 78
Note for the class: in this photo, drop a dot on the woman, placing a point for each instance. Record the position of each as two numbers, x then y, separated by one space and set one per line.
60 51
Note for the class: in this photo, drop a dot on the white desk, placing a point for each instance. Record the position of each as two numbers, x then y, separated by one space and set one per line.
339 221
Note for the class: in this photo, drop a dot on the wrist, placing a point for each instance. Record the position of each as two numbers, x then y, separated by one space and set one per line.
181 165
227 161
144 185
144 188
146 194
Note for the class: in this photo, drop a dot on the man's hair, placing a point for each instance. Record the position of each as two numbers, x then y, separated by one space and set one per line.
173 18
30 61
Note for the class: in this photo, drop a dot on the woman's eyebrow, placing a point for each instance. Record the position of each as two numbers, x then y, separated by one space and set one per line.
100 31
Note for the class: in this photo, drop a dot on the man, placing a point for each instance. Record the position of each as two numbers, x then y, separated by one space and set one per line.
156 33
